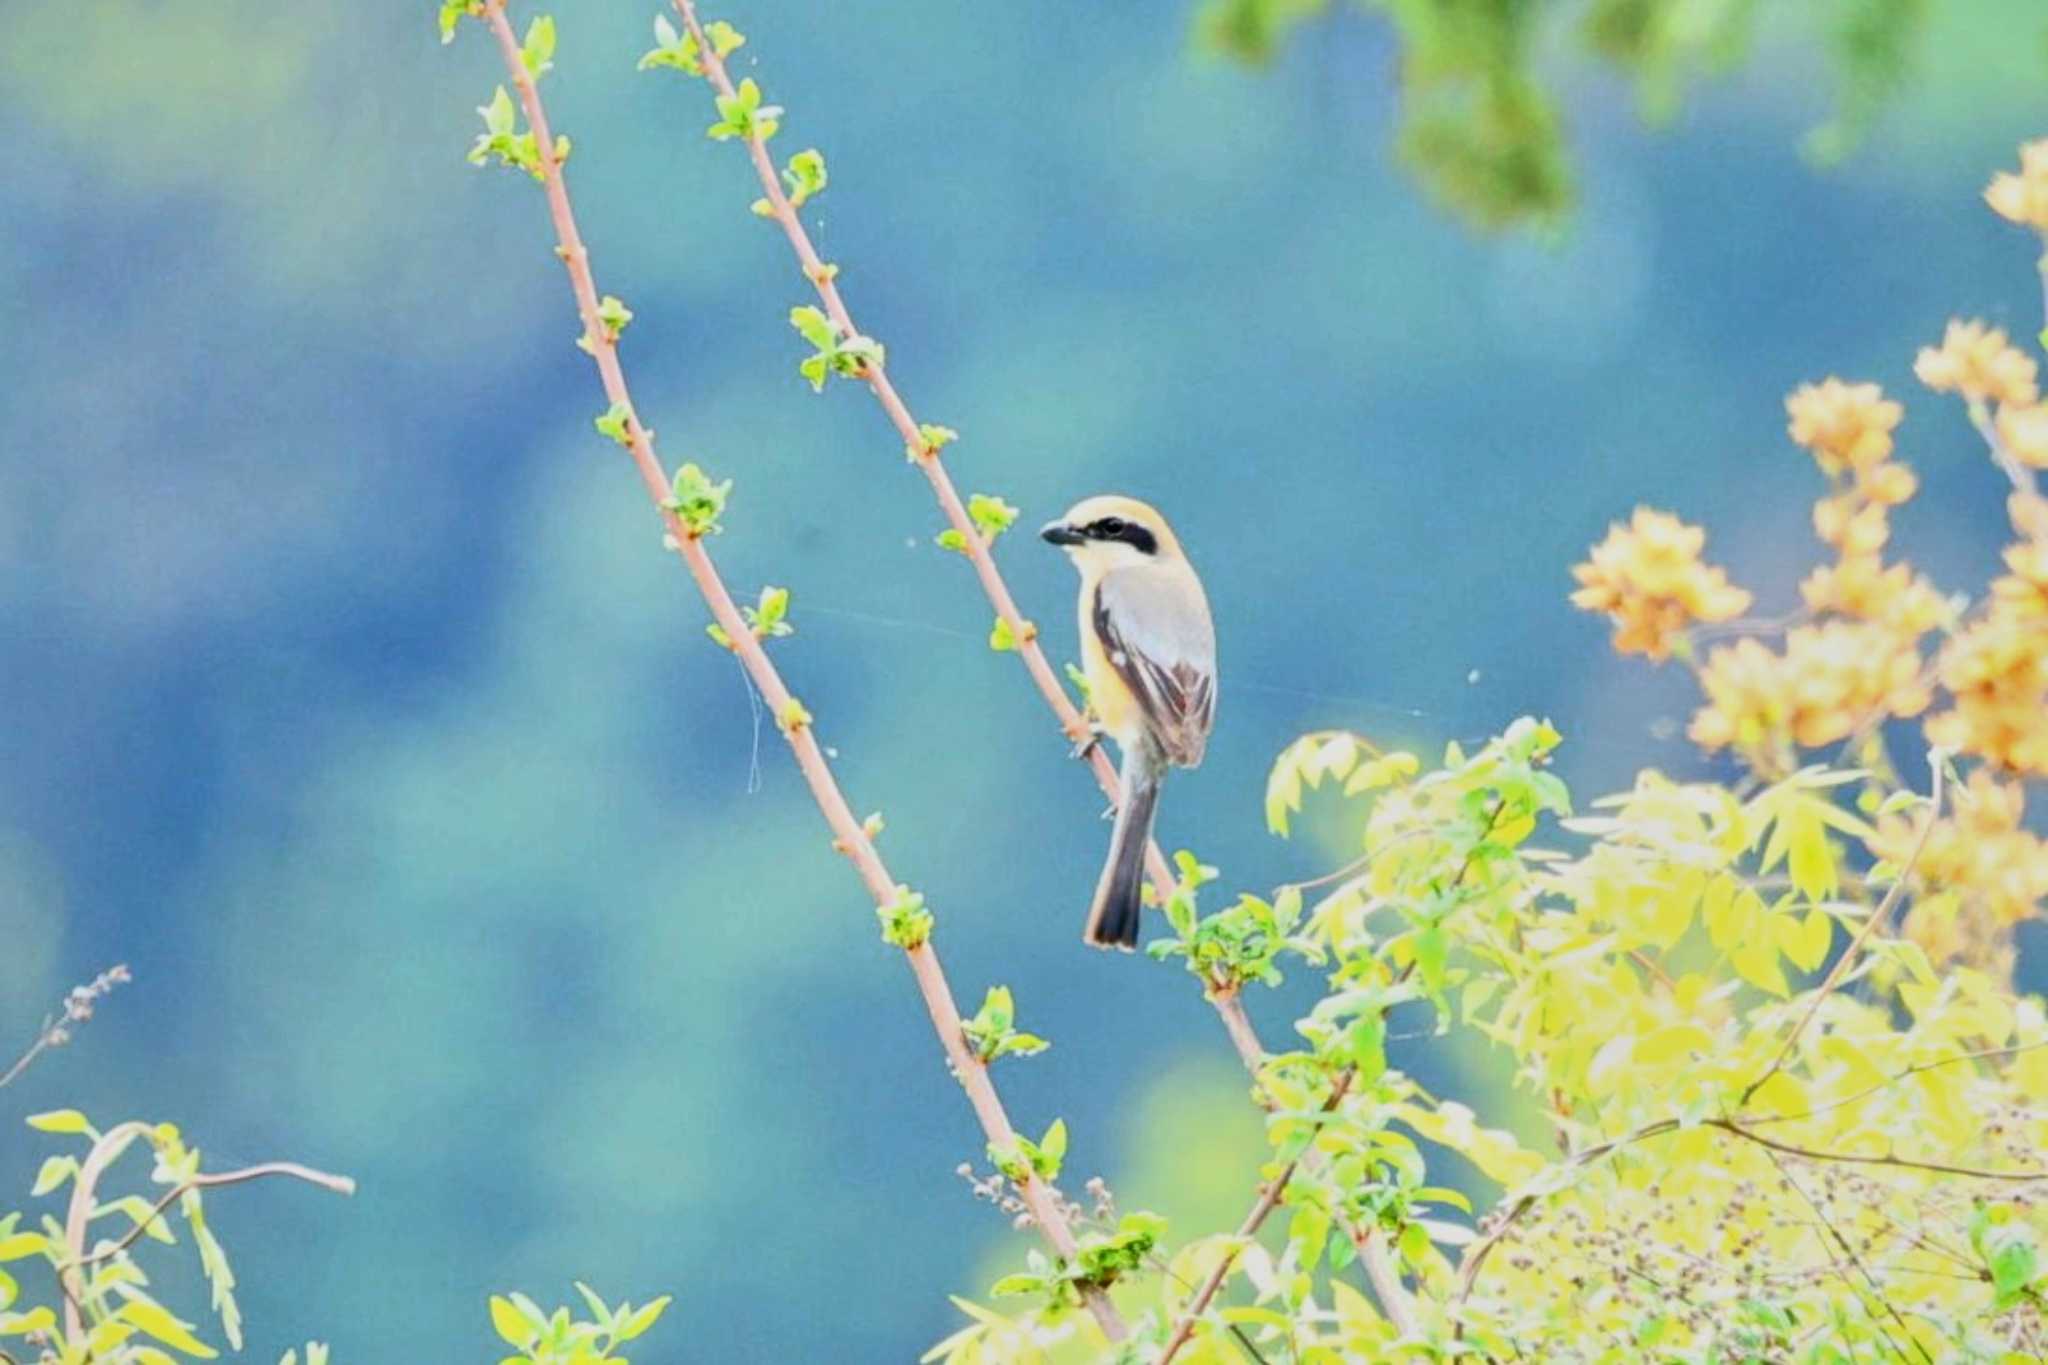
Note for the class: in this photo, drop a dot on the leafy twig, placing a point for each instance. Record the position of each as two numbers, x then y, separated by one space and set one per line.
1268 1200
1938 761
916 439
849 837
106 1150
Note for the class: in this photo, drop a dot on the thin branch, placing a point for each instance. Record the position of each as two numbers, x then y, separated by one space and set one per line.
340 1184
1268 1200
106 1150
1476 1254
2022 478
1876 1295
1072 723
1385 1280
848 836
57 1026
1938 761
1911 1071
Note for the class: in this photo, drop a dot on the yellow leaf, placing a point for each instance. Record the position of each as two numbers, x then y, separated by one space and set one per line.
1758 964
155 1320
1780 1095
1670 911
34 1320
1675 1043
60 1121
510 1322
22 1244
1805 940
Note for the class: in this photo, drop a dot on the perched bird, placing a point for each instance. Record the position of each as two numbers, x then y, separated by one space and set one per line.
1148 650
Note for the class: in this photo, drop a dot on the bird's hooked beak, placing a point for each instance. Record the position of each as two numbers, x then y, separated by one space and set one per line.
1059 533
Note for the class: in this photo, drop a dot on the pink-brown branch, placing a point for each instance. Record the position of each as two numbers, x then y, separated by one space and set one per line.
848 836
1229 1005
1072 722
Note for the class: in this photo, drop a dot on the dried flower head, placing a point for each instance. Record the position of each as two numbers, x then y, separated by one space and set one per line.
1648 579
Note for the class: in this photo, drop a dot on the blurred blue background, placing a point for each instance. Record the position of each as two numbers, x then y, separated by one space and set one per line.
348 696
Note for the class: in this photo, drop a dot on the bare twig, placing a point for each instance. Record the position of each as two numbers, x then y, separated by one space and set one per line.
1938 761
848 836
1268 1200
57 1026
340 1184
1888 1083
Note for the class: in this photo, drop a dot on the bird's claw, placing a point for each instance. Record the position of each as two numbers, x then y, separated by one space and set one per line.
1089 744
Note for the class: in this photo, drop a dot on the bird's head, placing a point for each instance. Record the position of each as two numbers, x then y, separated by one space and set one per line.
1109 531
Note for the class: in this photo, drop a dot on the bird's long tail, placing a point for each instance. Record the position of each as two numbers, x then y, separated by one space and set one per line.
1120 891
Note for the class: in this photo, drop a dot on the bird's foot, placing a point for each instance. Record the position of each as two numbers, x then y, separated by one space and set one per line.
1088 745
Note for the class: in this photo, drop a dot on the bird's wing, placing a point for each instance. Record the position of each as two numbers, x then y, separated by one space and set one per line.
1154 626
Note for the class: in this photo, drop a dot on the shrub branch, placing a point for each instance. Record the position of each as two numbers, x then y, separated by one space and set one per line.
1226 999
848 835
1072 722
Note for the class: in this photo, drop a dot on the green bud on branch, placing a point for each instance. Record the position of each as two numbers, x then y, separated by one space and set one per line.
742 115
992 1032
696 501
905 921
616 422
835 352
501 139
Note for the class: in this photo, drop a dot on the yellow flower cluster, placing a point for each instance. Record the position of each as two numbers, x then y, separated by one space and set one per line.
1648 579
1846 426
1830 679
1982 853
1980 364
2023 198
1997 671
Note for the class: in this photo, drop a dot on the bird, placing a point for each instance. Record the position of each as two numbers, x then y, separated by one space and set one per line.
1148 652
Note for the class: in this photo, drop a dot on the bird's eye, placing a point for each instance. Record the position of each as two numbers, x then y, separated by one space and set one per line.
1110 526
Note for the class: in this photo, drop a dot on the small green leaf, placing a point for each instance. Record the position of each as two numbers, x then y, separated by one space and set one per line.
906 922
617 422
644 1317
613 315
815 327
537 53
991 515
696 501
55 1171
725 39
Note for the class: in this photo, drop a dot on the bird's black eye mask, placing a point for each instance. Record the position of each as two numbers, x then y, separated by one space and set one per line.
1129 532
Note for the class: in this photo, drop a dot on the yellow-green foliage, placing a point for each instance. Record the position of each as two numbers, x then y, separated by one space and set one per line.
1794 1112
